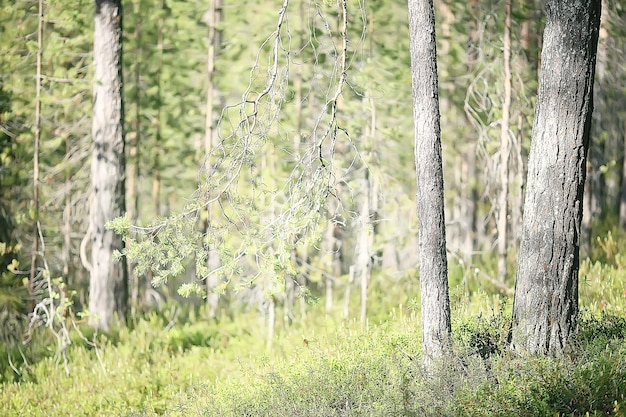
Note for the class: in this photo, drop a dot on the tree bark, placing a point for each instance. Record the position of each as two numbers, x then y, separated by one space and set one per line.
436 327
108 289
545 309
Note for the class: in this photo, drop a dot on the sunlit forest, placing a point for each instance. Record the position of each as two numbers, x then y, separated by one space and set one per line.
267 214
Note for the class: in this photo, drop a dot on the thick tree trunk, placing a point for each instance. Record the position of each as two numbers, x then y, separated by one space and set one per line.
546 294
108 289
436 325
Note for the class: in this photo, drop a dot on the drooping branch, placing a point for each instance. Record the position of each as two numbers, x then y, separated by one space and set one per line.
231 184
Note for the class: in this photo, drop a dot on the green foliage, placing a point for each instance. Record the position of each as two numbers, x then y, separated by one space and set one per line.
601 287
608 245
262 195
172 361
13 294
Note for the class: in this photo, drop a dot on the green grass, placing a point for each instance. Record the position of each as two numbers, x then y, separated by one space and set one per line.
324 365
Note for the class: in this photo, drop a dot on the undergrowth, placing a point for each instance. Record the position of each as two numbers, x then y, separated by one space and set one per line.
172 362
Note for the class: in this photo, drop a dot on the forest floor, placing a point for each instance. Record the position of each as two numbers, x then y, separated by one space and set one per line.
172 362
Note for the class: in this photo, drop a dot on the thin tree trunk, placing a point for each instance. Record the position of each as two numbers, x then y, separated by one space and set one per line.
436 325
346 298
213 260
35 248
271 322
331 249
302 283
363 263
108 289
133 165
545 309
505 151
328 255
67 217
622 203
470 201
365 242
156 164
328 252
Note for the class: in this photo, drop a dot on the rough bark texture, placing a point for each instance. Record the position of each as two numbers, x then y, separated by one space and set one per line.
430 208
546 294
108 289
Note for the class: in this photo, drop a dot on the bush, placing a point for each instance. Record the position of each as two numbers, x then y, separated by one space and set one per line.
170 362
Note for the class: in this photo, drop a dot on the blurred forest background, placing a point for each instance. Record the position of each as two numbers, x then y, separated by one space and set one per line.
366 228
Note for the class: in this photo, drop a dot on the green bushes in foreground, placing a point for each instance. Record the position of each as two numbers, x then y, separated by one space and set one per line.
381 378
172 363
345 372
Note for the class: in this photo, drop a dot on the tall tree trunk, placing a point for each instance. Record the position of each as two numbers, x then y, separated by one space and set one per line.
436 326
505 148
369 206
108 288
213 260
67 219
133 164
622 203
158 146
545 309
37 139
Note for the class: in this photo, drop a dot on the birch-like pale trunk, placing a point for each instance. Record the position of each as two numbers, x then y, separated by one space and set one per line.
214 41
108 285
37 141
436 325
